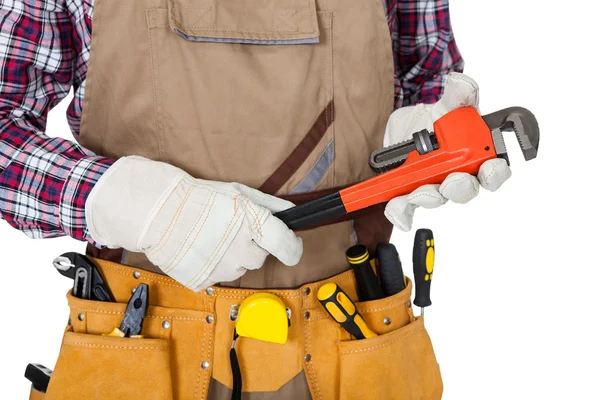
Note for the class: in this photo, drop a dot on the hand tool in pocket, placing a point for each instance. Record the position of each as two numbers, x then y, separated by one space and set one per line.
87 281
368 286
389 269
343 310
261 316
423 264
39 376
136 310
461 141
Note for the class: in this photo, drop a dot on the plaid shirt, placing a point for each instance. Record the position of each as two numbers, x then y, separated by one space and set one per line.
44 51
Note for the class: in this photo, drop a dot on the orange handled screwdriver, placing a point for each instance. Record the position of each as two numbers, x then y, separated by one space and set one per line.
343 311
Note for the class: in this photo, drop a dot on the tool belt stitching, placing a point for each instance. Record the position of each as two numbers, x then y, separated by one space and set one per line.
198 375
179 318
205 383
261 290
385 343
200 366
148 316
99 311
243 293
111 265
152 279
383 308
309 365
81 344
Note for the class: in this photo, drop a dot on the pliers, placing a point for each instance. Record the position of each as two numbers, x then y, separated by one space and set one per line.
136 310
87 280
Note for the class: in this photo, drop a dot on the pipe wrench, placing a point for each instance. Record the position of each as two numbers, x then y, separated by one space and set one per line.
461 141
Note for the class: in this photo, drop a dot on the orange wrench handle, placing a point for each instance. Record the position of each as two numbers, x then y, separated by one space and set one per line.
465 142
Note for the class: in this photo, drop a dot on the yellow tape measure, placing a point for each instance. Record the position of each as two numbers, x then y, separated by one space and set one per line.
263 316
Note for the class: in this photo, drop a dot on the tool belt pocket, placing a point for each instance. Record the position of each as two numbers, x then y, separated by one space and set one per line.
399 364
99 367
94 366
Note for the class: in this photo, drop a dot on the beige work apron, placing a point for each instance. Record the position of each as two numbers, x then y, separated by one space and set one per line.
289 96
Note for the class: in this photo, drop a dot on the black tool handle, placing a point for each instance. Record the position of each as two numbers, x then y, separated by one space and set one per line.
314 212
39 376
368 286
88 282
82 283
423 264
389 269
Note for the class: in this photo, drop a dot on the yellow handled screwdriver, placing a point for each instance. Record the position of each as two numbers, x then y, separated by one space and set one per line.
423 263
344 311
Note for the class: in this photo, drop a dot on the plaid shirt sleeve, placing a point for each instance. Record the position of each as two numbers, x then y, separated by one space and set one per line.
44 181
424 49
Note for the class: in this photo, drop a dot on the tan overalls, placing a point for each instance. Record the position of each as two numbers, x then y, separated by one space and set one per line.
289 96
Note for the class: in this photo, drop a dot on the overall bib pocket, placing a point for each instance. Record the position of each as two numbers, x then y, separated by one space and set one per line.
249 68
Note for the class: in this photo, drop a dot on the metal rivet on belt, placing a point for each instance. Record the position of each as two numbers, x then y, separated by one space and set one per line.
81 316
387 320
307 315
133 290
166 324
210 319
210 291
307 291
307 358
137 275
205 364
233 312
408 304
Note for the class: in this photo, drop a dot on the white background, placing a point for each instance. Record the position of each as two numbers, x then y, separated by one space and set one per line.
515 305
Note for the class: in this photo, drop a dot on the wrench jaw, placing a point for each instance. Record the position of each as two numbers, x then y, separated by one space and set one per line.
499 145
528 134
520 121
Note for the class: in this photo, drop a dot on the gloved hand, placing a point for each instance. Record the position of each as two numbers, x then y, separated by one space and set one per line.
460 91
198 232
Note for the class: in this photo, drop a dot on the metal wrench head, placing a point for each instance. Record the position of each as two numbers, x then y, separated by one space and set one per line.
520 121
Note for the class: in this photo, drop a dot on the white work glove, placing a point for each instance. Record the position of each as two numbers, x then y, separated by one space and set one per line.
198 232
460 91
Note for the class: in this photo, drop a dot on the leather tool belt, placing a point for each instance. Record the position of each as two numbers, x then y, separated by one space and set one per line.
184 352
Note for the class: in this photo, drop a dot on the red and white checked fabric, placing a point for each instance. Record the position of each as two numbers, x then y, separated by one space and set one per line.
44 51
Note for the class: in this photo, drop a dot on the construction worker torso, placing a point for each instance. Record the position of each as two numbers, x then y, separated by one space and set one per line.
289 97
